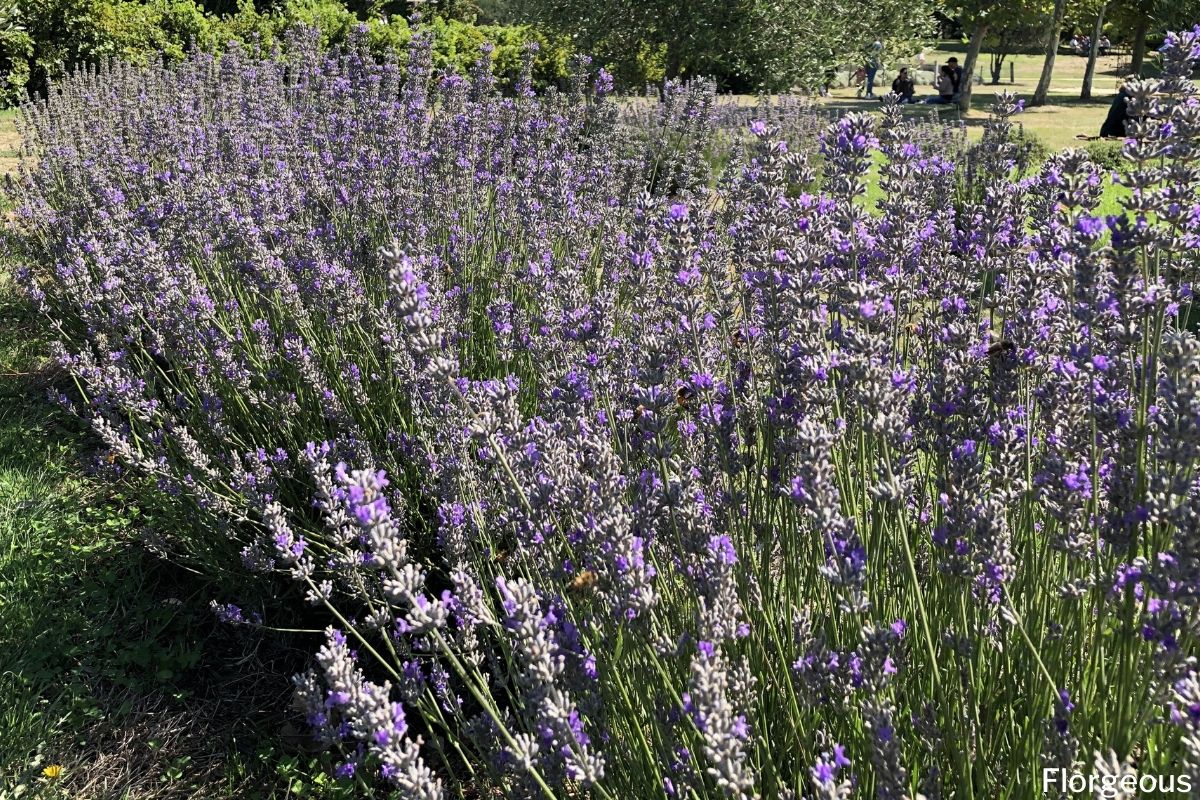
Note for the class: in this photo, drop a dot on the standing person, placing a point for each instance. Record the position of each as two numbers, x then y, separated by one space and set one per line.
903 86
858 80
872 66
827 82
956 74
943 84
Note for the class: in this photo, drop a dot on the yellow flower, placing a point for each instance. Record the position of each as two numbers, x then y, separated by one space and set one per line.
53 771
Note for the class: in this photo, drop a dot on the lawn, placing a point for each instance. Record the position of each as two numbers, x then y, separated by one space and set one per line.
117 680
1055 124
10 140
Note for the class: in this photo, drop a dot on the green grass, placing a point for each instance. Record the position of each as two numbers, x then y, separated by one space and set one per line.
112 667
1110 200
1056 124
78 618
10 141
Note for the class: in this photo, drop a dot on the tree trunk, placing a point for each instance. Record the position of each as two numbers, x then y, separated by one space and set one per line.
999 54
968 74
1052 35
1086 92
1139 46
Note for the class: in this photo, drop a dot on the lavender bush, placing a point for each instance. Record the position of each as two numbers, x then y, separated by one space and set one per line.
616 477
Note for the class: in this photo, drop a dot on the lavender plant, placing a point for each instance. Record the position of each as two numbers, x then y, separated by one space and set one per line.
616 477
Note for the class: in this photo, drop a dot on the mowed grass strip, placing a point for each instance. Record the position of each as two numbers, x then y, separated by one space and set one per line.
10 141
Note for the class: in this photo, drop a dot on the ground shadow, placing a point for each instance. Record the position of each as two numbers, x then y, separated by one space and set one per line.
112 664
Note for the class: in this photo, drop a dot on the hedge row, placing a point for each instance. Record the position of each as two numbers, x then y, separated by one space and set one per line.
40 40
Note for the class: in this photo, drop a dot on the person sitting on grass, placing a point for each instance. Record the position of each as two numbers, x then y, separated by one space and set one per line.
1118 115
943 84
903 86
956 74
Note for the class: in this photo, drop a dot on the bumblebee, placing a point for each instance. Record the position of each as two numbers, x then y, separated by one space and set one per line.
582 582
1002 349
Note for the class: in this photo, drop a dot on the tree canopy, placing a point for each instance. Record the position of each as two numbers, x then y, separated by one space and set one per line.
745 44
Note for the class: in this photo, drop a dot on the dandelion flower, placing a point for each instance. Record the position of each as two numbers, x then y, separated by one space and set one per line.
52 771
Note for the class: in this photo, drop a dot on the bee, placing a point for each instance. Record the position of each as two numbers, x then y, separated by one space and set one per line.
737 338
110 458
682 396
582 582
1001 349
500 556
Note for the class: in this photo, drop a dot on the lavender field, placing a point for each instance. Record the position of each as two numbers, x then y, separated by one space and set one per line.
627 449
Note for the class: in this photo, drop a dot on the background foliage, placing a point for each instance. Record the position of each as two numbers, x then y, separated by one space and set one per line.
40 40
747 45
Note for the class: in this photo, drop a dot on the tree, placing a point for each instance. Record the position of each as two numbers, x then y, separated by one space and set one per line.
1086 91
1139 19
1014 26
751 44
1053 33
978 31
977 17
1139 45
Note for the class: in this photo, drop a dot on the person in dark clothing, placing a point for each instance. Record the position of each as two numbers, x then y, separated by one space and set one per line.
827 82
956 74
1118 114
903 86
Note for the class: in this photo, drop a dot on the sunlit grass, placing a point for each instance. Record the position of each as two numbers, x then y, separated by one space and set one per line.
1056 124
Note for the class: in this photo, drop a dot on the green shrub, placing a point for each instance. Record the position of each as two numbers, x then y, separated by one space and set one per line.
457 45
247 24
1033 150
16 47
1106 154
135 31
549 65
61 33
651 63
330 17
42 39
385 35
